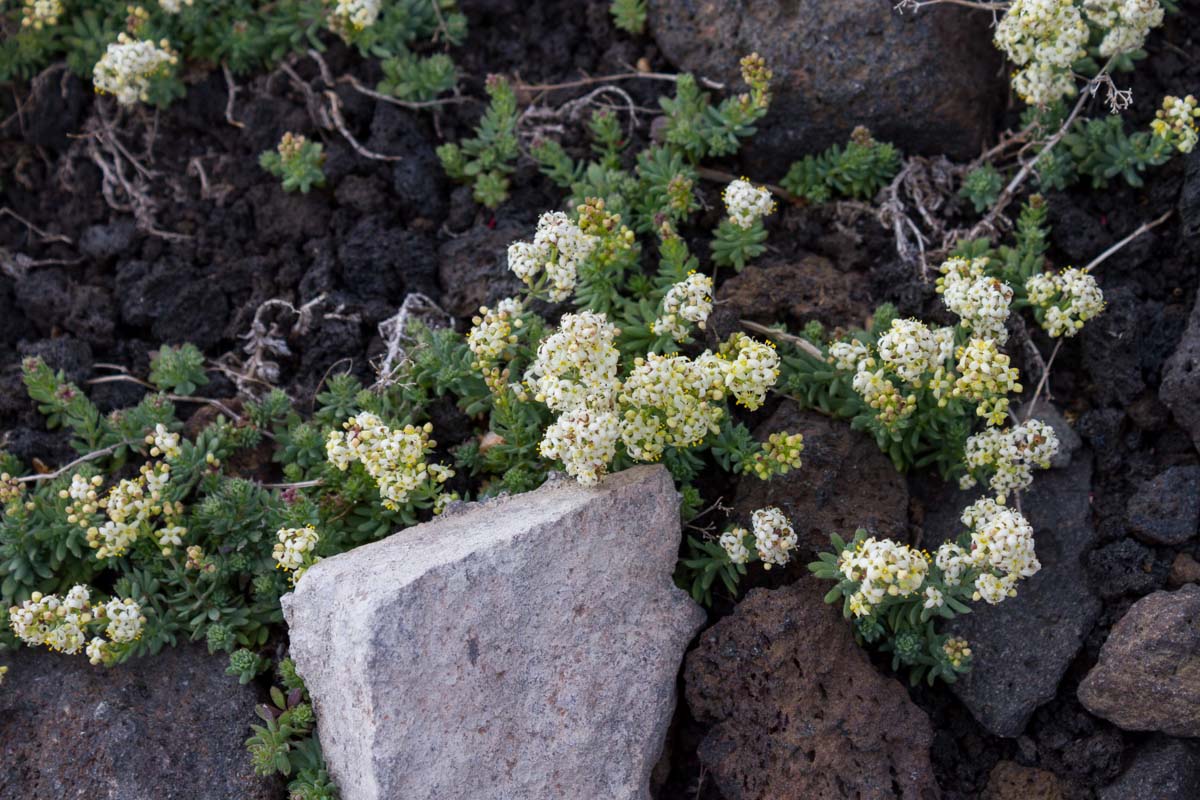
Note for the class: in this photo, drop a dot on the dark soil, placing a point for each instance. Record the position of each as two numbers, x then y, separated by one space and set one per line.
381 230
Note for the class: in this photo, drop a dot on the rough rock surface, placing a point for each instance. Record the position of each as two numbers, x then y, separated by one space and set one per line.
845 483
805 288
165 727
1023 646
1166 508
1163 769
473 268
929 82
1184 569
797 710
1148 675
1180 388
522 648
1011 781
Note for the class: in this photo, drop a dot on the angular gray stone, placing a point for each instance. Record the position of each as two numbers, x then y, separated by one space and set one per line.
165 727
522 648
1023 646
1166 508
1180 387
1163 769
1148 674
929 82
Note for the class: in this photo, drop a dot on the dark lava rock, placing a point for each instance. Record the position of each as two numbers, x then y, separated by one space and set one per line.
1125 567
928 82
844 483
383 261
102 242
1011 781
805 288
72 356
166 727
1184 569
1180 388
1189 197
1112 349
418 180
53 110
167 298
1148 675
1023 646
797 711
281 216
1163 769
1166 508
473 268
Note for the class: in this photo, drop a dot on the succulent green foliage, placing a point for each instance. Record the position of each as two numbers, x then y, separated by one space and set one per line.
857 171
299 162
245 35
629 15
485 161
1100 149
246 665
706 562
902 625
284 744
416 78
734 246
982 187
178 369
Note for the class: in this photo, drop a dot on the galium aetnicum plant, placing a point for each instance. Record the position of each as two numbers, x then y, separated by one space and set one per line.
297 161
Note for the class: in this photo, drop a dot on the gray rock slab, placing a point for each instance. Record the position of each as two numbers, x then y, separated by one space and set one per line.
1163 769
526 647
1180 387
164 727
1023 646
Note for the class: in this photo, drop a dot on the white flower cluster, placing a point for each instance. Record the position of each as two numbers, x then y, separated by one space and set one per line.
746 203
1001 553
493 331
883 569
910 349
851 356
394 458
61 623
551 261
1068 299
350 16
666 401
734 543
1044 38
127 66
980 301
1126 23
293 552
1011 455
38 14
985 378
174 6
774 537
163 443
1175 123
687 302
747 368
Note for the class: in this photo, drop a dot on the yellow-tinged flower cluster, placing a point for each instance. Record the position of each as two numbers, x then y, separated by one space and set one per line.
133 506
3 672
585 440
577 364
985 378
128 65
882 568
61 623
957 651
911 350
687 303
1066 299
394 458
174 6
493 339
1010 455
1001 552
664 402
778 455
746 203
1044 38
294 552
550 263
981 302
38 14
163 443
1175 123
